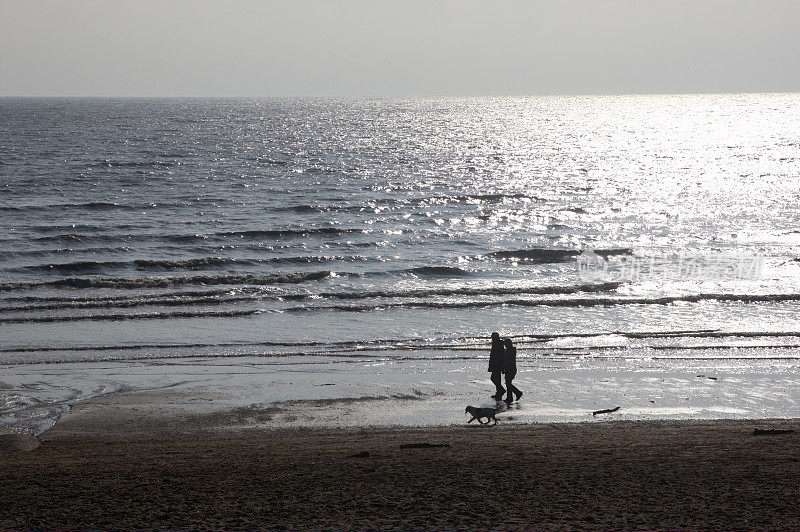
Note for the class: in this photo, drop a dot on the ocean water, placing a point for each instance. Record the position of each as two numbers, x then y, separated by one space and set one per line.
609 227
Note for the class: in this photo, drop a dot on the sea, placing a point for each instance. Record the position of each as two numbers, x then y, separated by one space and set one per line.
158 232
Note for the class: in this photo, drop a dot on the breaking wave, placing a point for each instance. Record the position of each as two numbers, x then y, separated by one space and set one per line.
243 294
167 282
120 317
437 271
396 349
567 302
249 234
547 256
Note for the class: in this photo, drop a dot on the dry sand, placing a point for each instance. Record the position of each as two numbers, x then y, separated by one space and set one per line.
142 473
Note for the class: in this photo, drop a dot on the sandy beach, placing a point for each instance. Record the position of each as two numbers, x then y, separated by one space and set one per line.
107 465
312 443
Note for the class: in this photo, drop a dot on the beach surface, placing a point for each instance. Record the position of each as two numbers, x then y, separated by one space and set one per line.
137 462
385 389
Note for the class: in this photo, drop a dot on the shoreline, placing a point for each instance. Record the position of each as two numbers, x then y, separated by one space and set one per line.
673 474
382 391
165 413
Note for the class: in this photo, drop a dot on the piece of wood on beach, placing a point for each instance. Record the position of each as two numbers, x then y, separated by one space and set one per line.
771 432
606 411
423 445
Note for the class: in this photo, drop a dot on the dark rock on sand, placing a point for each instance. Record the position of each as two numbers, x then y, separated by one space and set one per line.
362 454
771 432
424 445
10 443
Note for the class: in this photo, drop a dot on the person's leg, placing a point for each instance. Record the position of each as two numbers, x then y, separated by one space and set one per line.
497 379
516 391
509 386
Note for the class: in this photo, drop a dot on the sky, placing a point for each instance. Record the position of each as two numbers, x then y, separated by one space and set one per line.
396 48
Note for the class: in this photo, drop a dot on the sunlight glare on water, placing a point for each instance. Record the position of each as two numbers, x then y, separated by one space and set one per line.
244 220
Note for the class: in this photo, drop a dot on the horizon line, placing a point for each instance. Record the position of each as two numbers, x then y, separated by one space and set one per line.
384 97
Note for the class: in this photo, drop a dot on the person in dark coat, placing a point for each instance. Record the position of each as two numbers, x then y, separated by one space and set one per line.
510 369
496 365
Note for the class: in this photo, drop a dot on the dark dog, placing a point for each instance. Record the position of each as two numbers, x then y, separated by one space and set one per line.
478 413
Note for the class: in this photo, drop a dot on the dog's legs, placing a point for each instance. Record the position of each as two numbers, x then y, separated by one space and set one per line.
473 419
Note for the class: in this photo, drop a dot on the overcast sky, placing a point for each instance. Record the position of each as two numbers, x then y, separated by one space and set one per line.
396 48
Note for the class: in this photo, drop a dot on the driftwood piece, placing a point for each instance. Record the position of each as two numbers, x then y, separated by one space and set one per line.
771 432
606 411
424 445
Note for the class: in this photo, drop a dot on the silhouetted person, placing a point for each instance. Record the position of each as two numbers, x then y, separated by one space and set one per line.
510 369
496 365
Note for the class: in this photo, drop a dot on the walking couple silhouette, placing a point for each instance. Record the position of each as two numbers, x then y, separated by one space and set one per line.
503 360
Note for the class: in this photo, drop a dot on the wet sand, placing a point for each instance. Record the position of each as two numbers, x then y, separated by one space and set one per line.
602 475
